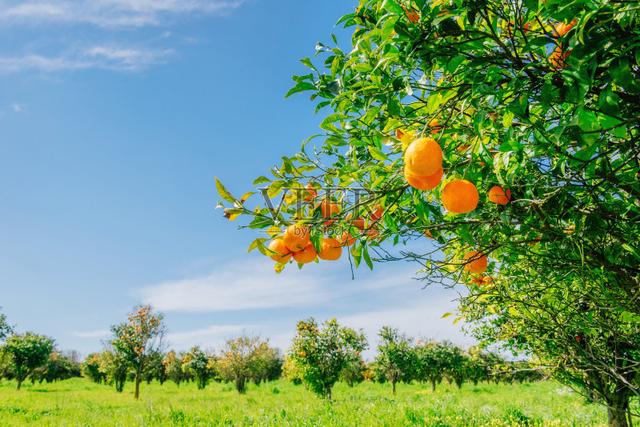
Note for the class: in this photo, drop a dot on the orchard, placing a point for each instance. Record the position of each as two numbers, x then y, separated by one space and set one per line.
496 145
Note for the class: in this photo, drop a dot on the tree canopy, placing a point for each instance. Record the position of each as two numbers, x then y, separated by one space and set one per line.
532 111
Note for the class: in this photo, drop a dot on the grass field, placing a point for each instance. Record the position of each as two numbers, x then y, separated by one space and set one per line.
78 402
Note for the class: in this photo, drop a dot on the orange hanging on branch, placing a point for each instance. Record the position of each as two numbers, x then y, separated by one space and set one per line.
460 196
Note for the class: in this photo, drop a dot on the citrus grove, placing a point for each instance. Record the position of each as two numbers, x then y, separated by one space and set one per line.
496 145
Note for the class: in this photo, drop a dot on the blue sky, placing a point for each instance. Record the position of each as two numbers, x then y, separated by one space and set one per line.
115 115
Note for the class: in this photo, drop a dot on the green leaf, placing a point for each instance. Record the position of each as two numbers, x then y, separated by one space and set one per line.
223 192
392 6
367 258
376 153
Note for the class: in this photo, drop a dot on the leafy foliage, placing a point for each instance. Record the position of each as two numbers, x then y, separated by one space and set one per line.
396 357
26 352
540 98
137 339
322 353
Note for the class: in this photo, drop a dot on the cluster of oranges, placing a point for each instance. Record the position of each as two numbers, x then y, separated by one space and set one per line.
296 243
423 170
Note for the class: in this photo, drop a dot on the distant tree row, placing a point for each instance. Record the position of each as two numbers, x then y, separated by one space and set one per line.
136 354
322 355
319 356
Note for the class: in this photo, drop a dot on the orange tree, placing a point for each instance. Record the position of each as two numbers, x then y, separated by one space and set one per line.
506 133
136 340
320 354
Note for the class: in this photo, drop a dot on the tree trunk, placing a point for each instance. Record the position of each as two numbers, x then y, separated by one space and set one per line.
433 385
393 387
137 380
618 413
19 384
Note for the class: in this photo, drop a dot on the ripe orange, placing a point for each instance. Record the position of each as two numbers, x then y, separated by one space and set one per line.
330 249
499 196
372 233
424 182
561 28
281 253
377 213
311 193
435 126
412 15
423 157
296 237
476 262
460 196
359 223
305 256
347 239
558 57
329 208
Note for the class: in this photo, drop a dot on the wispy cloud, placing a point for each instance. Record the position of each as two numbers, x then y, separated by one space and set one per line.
101 57
244 286
209 337
274 303
108 13
117 28
100 333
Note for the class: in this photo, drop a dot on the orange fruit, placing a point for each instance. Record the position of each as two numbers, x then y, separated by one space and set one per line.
424 182
499 196
311 193
476 262
281 252
460 196
561 28
558 57
346 239
434 124
296 237
329 208
477 280
372 233
412 15
307 255
359 223
330 249
377 213
423 157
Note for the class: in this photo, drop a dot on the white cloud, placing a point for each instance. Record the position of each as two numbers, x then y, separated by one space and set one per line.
101 333
388 296
109 13
237 287
212 336
106 22
102 57
17 108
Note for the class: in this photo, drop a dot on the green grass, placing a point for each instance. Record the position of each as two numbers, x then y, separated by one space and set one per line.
78 402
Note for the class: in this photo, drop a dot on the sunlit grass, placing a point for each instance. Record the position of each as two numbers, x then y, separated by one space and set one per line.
79 402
